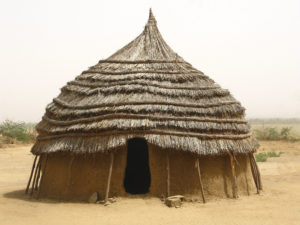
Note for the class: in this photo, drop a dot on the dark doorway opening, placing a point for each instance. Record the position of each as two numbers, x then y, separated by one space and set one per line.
137 175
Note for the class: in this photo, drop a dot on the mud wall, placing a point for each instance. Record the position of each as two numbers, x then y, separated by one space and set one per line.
76 177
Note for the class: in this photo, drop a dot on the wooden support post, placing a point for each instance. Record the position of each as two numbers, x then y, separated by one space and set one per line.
259 177
200 180
109 176
70 172
255 173
35 177
38 176
168 175
30 177
43 175
234 185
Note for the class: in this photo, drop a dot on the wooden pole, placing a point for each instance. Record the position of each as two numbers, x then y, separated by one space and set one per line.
234 185
35 176
38 176
168 175
259 177
200 181
30 177
70 172
109 176
253 173
257 172
43 175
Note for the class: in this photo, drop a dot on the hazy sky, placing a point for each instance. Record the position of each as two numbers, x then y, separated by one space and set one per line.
250 47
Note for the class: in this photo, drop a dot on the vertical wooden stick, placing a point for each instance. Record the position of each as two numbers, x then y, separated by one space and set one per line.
34 177
257 172
43 175
254 172
38 175
30 177
109 175
70 172
234 186
168 175
200 180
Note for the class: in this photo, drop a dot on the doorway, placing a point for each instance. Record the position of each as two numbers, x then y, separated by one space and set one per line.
137 174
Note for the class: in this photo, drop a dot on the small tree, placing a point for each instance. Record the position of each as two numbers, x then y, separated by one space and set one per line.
14 130
285 133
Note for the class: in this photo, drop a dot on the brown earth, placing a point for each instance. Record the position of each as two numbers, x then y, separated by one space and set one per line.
279 203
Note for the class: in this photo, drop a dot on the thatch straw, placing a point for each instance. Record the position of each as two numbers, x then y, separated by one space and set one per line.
145 89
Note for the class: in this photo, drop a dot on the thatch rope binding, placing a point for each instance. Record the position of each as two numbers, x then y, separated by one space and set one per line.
208 105
145 72
140 116
93 85
152 131
141 61
117 90
141 76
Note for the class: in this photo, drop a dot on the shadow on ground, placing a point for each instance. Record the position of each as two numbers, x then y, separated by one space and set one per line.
20 195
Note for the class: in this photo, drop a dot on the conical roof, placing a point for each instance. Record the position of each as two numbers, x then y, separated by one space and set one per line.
144 90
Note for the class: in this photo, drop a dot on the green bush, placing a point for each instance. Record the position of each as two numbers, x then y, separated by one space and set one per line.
14 131
262 157
274 134
285 133
273 154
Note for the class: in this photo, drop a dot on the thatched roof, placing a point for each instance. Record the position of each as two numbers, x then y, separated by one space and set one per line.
144 90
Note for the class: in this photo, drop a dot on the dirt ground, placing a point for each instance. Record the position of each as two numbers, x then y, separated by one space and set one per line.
279 203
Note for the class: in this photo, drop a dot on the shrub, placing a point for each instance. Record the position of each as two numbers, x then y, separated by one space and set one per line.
274 154
14 131
274 134
262 157
285 133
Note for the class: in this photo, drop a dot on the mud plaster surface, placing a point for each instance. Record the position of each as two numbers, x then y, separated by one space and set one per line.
76 177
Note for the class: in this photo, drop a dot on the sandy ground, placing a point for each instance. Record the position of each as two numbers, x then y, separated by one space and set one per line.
279 203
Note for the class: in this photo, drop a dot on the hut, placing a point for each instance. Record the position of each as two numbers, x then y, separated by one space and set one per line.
143 121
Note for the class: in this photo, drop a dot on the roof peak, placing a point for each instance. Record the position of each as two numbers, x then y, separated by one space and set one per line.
151 19
149 45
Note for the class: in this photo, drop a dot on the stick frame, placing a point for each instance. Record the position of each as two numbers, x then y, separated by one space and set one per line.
30 177
43 175
109 176
70 172
200 180
35 177
38 177
168 174
234 179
